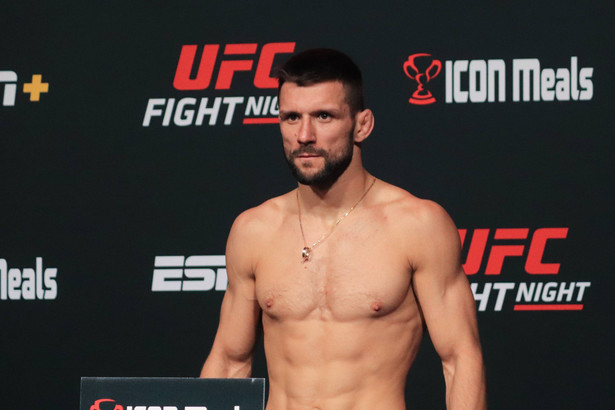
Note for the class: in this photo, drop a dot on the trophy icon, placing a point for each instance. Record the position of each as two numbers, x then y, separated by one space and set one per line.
422 96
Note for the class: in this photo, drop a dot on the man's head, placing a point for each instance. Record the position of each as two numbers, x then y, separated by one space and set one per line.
321 65
322 118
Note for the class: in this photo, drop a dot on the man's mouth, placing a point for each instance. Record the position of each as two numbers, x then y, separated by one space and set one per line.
307 153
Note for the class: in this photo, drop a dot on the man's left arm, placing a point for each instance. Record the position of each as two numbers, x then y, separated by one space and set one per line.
449 310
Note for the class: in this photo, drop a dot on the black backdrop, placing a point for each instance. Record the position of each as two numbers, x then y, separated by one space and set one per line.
89 191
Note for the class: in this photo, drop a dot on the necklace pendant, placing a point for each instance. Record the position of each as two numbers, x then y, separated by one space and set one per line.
305 253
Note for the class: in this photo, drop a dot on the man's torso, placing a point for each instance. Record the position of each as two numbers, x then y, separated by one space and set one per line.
342 329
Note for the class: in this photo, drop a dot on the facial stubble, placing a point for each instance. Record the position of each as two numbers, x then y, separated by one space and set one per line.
333 168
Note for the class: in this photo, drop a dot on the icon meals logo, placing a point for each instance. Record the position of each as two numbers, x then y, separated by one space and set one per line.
106 404
494 80
199 68
110 404
422 76
28 283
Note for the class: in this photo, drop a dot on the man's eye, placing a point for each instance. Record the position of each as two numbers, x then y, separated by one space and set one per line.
290 117
324 116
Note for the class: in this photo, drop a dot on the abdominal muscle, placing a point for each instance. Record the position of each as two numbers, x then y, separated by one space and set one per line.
320 362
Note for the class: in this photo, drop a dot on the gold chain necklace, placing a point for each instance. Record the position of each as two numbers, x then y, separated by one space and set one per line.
306 252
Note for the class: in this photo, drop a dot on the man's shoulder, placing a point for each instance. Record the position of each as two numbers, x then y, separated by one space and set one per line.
254 227
266 215
409 211
398 200
422 226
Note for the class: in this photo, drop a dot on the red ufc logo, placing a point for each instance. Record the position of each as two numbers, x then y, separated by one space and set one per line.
533 263
228 67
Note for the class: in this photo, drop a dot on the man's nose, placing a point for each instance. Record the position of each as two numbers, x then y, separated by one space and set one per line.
305 134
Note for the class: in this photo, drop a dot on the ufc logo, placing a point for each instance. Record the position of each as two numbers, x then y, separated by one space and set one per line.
228 67
498 252
9 77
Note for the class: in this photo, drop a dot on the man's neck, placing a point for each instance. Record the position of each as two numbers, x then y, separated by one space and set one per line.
338 198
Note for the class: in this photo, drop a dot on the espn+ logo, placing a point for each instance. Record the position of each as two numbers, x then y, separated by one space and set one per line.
8 88
192 273
243 60
508 243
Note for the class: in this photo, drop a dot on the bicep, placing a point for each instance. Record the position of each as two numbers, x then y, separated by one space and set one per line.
443 290
449 311
240 311
238 323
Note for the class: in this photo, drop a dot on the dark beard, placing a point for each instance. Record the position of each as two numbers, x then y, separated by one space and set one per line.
333 169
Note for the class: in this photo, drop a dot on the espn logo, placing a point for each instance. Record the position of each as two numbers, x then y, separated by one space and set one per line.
193 273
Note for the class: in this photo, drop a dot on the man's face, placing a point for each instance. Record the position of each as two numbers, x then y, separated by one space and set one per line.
317 131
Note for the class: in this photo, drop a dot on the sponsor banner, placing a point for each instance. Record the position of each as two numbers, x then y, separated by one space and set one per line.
498 80
485 252
162 393
212 70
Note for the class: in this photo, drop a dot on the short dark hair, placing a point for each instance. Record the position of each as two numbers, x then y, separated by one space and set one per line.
319 65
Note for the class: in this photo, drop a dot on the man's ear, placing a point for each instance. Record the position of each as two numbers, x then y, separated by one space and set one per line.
364 125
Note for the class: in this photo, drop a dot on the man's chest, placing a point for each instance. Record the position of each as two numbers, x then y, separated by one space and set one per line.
357 272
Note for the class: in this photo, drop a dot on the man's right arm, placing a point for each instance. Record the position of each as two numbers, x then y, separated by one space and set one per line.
231 353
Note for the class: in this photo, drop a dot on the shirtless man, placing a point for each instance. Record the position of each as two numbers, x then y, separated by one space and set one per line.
346 271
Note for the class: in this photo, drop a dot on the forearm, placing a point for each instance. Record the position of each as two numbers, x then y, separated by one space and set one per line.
219 365
465 383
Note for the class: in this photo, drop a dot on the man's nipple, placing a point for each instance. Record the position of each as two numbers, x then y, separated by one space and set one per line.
376 306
